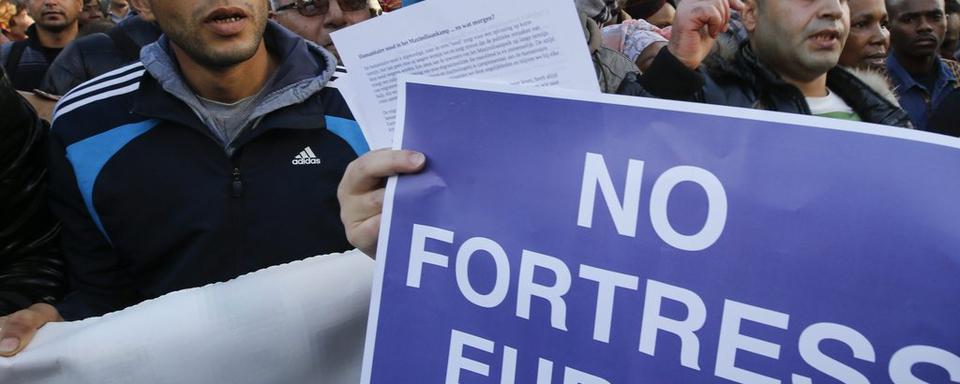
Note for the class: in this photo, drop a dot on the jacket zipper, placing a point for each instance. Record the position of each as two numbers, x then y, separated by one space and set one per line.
236 223
237 183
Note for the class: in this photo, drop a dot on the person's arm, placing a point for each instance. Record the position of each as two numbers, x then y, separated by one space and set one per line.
674 72
30 264
362 189
31 267
98 281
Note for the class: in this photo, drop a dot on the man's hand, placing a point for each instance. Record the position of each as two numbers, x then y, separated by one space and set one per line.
361 193
696 27
18 329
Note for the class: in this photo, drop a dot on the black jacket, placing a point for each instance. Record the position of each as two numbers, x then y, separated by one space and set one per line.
944 119
739 79
153 202
27 62
93 55
31 266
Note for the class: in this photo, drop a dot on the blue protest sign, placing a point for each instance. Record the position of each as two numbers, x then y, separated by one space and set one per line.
601 239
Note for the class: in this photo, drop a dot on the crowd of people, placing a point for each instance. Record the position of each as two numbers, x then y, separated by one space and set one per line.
195 141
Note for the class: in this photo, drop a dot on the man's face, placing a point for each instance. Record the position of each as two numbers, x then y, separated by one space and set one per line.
917 28
952 37
317 28
869 38
119 8
800 39
213 33
55 15
91 12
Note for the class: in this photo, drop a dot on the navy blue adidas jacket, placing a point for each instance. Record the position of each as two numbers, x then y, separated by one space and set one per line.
152 202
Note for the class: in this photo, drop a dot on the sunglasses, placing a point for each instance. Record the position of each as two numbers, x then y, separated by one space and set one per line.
310 8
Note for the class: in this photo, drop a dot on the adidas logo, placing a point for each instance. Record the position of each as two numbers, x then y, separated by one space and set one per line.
306 157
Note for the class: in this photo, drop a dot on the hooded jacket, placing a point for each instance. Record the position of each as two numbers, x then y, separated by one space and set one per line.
152 201
735 77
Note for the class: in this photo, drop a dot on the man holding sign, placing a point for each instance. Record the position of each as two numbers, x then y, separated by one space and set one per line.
717 244
687 256
675 75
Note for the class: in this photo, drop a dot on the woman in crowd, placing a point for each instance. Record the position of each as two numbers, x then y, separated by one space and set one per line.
869 41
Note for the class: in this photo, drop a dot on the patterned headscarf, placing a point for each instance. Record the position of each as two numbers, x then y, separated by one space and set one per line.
633 36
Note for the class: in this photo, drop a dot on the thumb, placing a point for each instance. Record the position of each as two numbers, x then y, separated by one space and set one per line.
18 329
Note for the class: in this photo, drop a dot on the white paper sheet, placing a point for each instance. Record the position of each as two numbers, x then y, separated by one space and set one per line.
301 322
530 42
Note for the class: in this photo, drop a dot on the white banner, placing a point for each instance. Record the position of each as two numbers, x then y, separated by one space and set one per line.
301 322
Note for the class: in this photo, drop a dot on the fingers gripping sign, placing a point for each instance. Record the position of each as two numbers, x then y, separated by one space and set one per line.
362 190
17 329
696 27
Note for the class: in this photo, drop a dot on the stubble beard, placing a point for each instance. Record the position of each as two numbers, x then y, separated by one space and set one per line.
793 60
215 59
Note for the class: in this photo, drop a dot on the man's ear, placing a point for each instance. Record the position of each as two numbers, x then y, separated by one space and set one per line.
749 15
143 6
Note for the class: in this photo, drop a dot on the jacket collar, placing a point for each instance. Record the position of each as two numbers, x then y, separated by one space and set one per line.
866 102
304 70
750 65
906 81
142 32
735 58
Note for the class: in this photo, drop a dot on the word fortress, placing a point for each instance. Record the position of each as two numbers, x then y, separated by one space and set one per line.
732 340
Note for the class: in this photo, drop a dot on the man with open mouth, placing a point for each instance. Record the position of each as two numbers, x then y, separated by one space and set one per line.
56 25
217 154
923 80
788 63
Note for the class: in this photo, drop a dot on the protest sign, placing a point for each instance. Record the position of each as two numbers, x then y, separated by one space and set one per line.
533 43
603 239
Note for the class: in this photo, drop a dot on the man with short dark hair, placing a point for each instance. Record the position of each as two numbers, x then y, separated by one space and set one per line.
921 78
788 63
216 155
56 26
